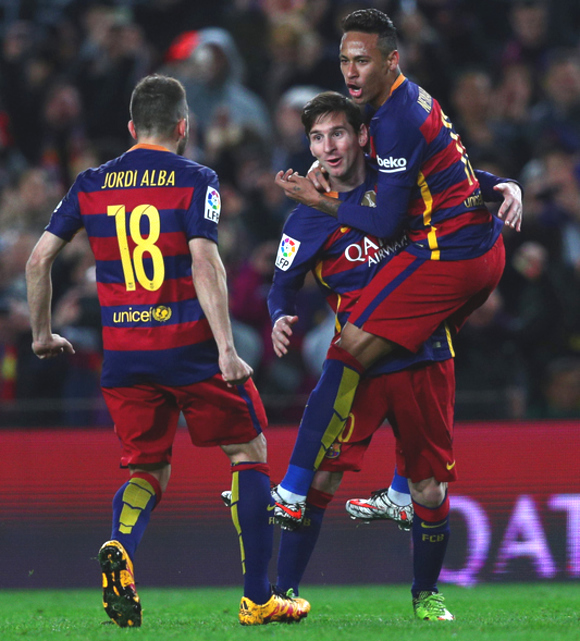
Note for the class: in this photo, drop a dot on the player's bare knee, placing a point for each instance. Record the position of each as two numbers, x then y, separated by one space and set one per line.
327 482
256 451
429 492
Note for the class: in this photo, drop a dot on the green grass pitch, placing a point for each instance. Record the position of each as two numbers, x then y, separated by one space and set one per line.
526 612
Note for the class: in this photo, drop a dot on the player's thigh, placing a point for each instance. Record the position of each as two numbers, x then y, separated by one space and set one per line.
366 416
410 297
421 407
145 418
220 415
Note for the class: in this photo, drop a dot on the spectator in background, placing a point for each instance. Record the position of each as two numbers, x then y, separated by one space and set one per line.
210 67
28 205
510 108
25 76
114 55
472 97
488 371
560 394
555 120
64 140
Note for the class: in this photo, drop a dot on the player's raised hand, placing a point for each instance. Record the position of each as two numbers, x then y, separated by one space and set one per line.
54 346
511 209
297 187
235 371
318 177
281 333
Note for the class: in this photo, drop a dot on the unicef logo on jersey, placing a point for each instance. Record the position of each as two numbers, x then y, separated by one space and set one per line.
287 251
131 316
161 313
391 165
213 205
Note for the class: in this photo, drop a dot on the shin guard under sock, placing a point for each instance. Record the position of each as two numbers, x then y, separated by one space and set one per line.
430 538
251 513
324 417
132 507
296 546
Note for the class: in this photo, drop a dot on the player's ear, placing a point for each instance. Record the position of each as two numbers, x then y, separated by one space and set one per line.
392 60
182 127
132 130
363 136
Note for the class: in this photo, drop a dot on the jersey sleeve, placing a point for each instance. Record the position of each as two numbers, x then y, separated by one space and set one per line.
303 237
202 217
66 219
399 146
487 183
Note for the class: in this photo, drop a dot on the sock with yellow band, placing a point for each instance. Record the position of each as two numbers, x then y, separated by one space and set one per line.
132 507
323 420
250 509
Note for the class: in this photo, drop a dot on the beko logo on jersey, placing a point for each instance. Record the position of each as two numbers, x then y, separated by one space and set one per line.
287 251
391 165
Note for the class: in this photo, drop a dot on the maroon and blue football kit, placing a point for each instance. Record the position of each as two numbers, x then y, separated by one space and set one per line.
426 185
455 257
343 261
139 211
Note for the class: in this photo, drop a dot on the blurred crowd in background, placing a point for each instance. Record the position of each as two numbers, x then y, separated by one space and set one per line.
507 72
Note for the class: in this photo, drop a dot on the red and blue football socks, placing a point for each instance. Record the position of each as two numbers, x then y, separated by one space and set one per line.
430 537
251 511
296 546
398 491
132 507
323 420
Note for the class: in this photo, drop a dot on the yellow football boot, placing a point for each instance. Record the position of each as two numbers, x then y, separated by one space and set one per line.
281 608
120 598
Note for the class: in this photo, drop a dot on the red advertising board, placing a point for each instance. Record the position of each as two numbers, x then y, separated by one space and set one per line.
515 508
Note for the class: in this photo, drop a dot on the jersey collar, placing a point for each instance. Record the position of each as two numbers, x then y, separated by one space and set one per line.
398 82
142 145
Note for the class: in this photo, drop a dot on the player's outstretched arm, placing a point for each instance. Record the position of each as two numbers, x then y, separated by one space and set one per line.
281 333
45 344
209 279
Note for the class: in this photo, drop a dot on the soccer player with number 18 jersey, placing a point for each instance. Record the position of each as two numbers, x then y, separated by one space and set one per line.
151 217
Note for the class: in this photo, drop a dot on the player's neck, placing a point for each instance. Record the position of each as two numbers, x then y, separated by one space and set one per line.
154 141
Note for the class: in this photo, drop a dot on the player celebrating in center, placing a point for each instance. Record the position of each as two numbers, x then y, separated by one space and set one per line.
415 392
454 260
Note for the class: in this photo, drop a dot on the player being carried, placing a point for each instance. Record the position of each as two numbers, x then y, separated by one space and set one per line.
414 392
454 259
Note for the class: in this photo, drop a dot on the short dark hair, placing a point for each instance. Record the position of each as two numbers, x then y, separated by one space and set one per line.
330 102
158 103
373 21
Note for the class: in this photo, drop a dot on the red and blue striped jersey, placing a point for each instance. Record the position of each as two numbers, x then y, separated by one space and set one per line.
139 211
426 184
343 260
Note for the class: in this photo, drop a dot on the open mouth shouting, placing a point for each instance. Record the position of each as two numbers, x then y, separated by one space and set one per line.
355 91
